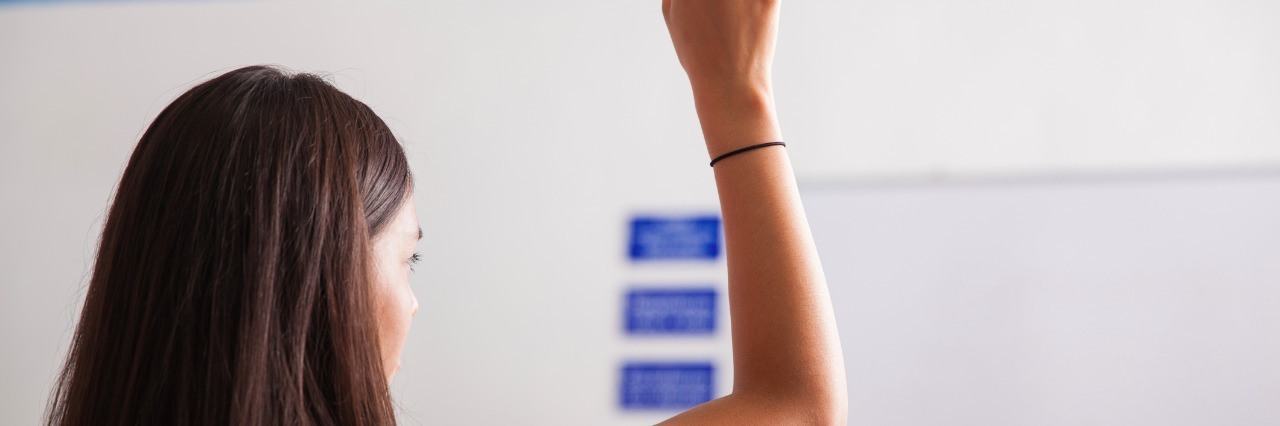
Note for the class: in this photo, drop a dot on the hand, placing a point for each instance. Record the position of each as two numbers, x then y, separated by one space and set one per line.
724 44
726 47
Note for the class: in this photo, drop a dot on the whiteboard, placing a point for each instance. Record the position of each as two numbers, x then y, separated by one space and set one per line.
1106 300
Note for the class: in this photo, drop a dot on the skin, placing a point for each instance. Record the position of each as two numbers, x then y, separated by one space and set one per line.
395 304
788 364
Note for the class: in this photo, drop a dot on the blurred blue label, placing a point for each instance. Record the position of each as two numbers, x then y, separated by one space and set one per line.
671 311
658 238
674 386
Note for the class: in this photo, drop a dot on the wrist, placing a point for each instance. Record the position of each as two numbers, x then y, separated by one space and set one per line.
736 117
757 90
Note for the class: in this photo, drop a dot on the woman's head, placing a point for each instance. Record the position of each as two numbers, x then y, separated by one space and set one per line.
253 266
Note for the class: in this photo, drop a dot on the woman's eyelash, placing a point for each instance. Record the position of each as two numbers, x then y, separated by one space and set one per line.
413 260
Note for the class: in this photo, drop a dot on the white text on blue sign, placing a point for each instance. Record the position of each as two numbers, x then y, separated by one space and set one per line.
675 238
666 386
671 311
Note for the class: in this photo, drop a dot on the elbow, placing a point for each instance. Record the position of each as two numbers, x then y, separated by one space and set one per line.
816 412
829 409
823 402
812 407
837 413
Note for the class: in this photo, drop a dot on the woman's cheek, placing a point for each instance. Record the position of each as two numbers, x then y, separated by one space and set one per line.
402 306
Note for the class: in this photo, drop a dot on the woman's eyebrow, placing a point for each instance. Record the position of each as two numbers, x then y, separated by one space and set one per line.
419 234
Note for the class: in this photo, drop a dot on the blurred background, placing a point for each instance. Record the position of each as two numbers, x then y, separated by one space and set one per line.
1030 212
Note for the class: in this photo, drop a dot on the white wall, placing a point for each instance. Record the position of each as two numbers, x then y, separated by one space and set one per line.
1115 299
537 128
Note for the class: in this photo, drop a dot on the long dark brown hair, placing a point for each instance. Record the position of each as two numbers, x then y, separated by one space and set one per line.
233 279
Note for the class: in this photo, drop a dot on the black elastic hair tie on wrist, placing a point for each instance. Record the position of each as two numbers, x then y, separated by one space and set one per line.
739 151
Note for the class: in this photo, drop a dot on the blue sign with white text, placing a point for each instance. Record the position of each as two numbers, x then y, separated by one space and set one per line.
671 311
675 238
666 386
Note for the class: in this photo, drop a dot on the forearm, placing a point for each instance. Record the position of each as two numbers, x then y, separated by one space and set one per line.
784 333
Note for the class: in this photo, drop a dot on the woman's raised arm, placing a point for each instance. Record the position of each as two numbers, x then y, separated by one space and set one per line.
788 366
